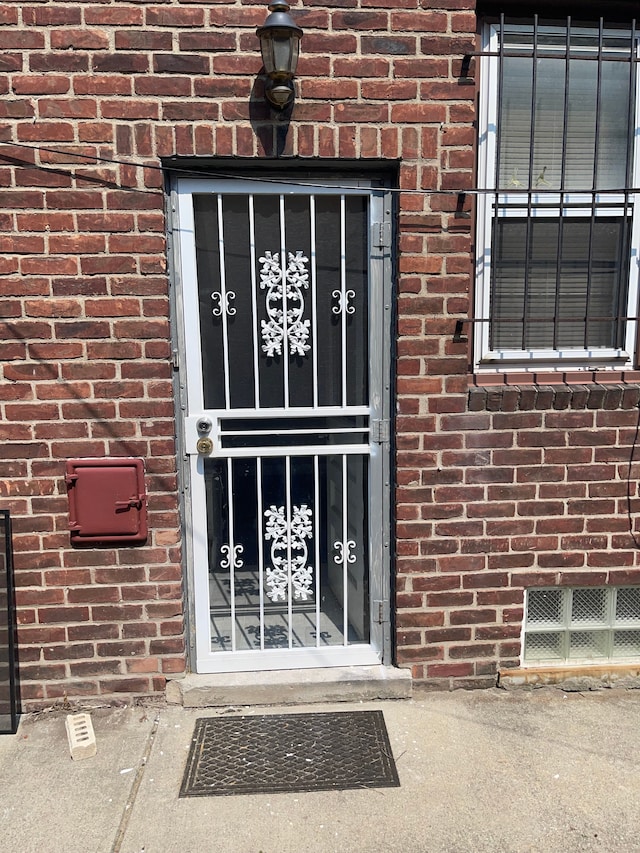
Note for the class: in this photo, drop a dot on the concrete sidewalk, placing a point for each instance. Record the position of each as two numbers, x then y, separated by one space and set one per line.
480 771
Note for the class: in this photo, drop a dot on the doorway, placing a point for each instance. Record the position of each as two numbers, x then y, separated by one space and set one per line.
284 324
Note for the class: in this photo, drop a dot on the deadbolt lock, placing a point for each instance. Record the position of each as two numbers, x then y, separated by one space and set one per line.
204 446
204 426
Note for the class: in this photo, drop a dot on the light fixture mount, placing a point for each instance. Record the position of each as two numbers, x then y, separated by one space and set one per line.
280 44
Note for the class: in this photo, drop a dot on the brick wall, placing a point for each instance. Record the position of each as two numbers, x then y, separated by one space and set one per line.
528 486
492 494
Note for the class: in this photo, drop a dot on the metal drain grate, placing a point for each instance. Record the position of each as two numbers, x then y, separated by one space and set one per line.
289 752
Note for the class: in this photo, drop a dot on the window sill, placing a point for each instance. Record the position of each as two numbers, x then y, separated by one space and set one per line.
548 377
539 396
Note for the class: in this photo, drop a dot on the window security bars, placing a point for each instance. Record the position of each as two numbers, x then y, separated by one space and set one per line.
558 229
590 625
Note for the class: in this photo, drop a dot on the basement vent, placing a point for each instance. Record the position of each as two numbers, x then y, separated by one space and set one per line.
578 626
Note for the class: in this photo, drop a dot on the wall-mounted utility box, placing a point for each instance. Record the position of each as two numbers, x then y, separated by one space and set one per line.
107 500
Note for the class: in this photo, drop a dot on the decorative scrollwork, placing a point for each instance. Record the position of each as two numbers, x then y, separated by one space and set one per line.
231 558
289 553
284 287
217 306
344 548
343 306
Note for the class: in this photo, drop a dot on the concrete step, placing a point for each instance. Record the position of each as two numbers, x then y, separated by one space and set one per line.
290 686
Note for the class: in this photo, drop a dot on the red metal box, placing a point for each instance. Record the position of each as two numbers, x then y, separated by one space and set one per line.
107 500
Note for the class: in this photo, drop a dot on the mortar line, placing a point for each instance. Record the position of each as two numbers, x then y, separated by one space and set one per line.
133 793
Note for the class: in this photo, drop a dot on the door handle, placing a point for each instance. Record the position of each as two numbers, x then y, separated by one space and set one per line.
204 446
132 503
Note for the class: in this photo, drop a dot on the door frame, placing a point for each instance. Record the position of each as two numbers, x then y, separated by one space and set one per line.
380 282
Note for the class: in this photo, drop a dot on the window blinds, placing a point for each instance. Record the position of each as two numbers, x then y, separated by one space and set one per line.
560 252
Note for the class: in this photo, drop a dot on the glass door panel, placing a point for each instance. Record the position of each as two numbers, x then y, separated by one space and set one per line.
275 581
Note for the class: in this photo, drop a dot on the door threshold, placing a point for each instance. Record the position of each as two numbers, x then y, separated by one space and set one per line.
290 686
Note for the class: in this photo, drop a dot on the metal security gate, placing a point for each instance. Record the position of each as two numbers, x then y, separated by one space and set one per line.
285 321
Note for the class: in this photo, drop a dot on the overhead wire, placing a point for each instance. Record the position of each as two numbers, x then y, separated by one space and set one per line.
202 170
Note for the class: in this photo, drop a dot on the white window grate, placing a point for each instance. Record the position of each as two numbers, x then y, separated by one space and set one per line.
585 625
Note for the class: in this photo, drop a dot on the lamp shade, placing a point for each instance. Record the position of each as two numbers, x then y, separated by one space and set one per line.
279 42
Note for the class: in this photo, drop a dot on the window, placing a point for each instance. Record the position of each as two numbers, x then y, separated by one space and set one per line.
583 625
558 211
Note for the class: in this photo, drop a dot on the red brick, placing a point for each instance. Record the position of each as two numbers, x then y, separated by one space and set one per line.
472 651
42 672
68 651
63 614
41 85
136 109
51 16
120 64
449 670
105 84
125 16
174 17
181 64
498 632
561 560
79 39
142 40
84 669
582 578
173 665
121 649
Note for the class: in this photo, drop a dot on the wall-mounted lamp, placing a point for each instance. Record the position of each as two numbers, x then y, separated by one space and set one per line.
280 43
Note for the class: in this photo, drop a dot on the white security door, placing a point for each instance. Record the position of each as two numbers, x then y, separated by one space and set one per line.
285 329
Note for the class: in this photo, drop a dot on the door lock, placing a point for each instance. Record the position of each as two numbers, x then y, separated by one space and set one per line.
204 446
204 426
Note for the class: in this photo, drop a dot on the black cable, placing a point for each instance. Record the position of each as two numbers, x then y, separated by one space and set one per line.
200 171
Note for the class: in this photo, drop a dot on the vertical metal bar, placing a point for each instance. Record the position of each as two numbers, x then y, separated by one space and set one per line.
628 213
563 174
634 65
495 332
254 302
345 554
596 145
223 304
633 80
289 517
316 539
260 547
565 116
285 330
232 554
528 235
314 298
343 296
10 685
499 97
594 187
377 463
